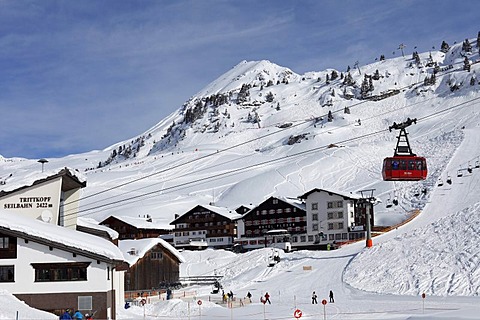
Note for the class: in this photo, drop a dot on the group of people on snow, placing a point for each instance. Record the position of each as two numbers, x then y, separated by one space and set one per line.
70 315
314 297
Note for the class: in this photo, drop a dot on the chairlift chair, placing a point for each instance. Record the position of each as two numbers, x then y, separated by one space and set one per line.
417 192
449 180
459 173
395 201
469 169
440 182
477 164
389 203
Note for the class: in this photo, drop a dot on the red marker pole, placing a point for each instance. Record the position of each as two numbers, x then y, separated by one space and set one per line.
324 302
423 301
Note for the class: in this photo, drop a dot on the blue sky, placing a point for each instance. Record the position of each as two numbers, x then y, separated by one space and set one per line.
77 76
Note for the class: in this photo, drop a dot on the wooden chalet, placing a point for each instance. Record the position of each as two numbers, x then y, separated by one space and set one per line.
205 226
273 214
137 227
154 264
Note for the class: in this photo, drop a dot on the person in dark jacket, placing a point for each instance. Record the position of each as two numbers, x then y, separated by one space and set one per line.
331 296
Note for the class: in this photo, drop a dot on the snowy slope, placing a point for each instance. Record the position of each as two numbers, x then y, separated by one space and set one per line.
232 148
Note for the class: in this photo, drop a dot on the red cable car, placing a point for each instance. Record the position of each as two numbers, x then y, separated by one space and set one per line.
404 165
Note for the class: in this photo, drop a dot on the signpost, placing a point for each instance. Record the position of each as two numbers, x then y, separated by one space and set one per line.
297 314
423 301
199 302
324 302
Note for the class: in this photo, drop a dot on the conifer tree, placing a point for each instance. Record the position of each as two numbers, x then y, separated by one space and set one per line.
444 47
466 46
466 64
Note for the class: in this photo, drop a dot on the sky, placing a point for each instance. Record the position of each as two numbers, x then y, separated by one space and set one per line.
78 76
436 253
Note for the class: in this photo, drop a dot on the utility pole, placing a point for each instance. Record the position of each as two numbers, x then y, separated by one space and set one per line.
367 202
401 47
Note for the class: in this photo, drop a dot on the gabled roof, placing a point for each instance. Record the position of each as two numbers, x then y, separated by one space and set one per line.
143 246
225 212
141 222
291 201
92 224
345 195
71 179
59 237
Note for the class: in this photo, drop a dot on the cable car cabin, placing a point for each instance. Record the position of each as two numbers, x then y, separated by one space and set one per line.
404 168
404 165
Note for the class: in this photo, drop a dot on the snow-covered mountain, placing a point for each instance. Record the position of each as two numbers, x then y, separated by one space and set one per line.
262 130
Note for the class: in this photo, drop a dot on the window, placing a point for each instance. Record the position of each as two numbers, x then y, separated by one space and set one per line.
314 205
264 212
46 272
4 242
310 238
340 225
330 215
7 274
274 201
156 255
303 239
330 226
315 216
85 303
8 247
271 211
288 210
279 210
340 215
315 227
329 205
331 237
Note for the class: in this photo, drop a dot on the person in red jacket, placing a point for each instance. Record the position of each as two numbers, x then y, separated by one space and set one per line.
267 298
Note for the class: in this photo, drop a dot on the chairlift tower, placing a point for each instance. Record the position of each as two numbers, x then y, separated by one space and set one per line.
368 199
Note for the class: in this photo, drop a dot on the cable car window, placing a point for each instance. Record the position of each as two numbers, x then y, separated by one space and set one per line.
419 165
395 165
411 165
403 165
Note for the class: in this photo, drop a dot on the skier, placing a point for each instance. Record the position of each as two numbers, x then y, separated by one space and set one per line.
331 296
249 296
314 298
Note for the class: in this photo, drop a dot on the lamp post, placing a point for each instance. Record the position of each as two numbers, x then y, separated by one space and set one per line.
43 161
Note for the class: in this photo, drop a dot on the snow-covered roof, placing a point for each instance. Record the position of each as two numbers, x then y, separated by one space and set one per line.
142 246
144 222
225 212
94 224
340 193
64 238
39 177
294 202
